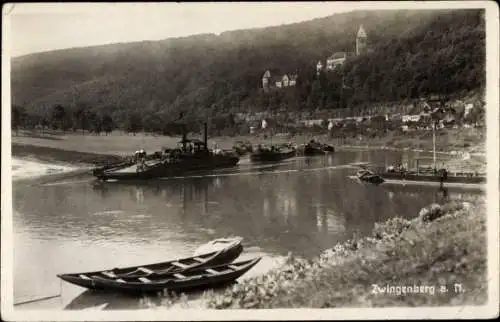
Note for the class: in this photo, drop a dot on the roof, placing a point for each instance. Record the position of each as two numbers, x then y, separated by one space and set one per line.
293 76
338 55
267 74
361 32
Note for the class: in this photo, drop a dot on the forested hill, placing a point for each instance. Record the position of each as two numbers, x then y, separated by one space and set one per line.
415 53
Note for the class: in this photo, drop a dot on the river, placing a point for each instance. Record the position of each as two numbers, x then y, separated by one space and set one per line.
301 205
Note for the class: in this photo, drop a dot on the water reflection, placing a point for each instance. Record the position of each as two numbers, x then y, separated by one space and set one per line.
90 299
273 210
116 301
279 212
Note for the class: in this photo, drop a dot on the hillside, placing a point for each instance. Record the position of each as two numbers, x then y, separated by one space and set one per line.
415 53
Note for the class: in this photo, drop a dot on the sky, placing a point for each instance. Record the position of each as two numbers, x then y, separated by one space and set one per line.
37 27
44 27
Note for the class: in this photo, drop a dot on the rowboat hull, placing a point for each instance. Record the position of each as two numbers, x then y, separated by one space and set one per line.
199 278
223 256
372 179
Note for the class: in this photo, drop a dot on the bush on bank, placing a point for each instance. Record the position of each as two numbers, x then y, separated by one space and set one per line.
440 256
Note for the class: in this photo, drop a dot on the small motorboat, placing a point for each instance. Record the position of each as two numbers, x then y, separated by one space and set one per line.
201 277
273 153
225 253
370 177
316 148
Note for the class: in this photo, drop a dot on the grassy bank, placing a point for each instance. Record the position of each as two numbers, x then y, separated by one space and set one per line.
443 249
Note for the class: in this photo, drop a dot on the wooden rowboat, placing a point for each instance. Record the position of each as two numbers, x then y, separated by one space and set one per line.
219 244
369 177
201 277
221 256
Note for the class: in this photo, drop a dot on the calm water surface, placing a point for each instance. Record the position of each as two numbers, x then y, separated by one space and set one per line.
302 205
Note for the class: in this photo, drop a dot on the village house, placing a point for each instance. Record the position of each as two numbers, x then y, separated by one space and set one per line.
468 108
269 81
311 123
251 117
410 118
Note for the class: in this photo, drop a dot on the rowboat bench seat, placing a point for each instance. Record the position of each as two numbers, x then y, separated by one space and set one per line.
109 274
144 279
212 271
145 270
178 264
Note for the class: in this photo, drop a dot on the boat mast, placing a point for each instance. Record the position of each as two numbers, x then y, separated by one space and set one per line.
205 135
433 125
434 143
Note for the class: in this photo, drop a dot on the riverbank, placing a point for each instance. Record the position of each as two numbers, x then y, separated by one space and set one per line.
449 141
98 150
439 258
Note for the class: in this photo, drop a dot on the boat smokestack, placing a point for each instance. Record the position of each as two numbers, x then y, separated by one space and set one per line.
205 134
184 135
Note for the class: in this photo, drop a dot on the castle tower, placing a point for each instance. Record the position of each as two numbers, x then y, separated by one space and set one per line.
361 41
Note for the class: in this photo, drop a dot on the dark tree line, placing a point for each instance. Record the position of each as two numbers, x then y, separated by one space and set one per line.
61 118
144 86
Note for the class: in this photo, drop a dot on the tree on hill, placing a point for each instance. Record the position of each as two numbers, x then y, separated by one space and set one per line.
107 123
80 118
133 123
17 117
95 123
415 53
58 117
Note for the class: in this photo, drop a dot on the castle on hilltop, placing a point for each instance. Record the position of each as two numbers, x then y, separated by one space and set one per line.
338 59
333 62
